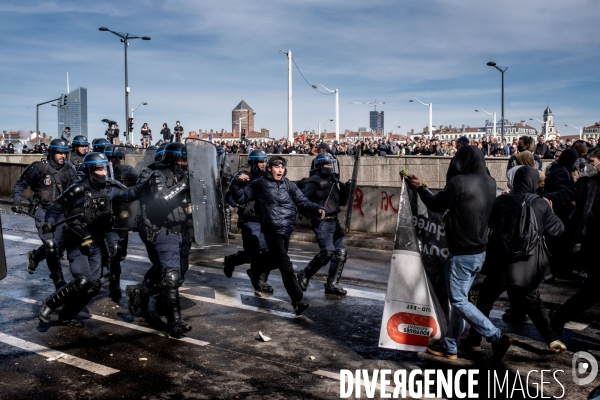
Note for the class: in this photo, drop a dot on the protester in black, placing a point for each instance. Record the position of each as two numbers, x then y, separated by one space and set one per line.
520 276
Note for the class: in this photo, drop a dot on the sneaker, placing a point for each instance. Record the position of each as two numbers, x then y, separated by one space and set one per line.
31 263
440 351
500 347
228 265
299 307
265 288
334 289
557 347
302 280
260 288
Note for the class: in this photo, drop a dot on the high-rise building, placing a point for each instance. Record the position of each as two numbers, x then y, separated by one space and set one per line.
242 110
74 114
376 121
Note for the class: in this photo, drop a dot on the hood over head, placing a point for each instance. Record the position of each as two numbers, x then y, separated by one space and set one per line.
567 159
526 180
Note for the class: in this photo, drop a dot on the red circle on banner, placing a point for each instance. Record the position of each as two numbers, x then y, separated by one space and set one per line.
421 321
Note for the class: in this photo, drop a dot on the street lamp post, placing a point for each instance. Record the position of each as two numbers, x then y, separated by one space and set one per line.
430 114
124 39
580 130
337 109
324 124
132 111
502 70
290 130
493 114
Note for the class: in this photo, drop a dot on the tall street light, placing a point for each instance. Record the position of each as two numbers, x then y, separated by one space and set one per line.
502 70
324 124
580 130
124 39
337 109
430 114
132 111
494 114
290 130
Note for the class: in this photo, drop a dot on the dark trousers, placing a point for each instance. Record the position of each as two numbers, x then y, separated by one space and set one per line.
586 297
186 245
522 299
168 249
330 237
278 259
85 260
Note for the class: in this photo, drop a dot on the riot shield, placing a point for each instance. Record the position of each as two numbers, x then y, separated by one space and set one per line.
206 193
131 161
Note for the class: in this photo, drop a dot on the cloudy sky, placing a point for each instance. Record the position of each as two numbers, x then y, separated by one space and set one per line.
206 56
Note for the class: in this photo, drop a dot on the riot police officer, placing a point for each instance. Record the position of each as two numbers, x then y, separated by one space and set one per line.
87 206
166 211
79 149
323 188
48 179
117 238
98 145
253 239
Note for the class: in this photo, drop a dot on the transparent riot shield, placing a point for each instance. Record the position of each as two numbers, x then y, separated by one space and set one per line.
208 212
127 163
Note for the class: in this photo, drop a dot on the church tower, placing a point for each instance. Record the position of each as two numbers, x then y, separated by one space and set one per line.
548 129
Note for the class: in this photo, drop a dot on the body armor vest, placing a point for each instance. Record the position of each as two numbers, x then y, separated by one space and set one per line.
170 207
96 209
125 213
75 158
51 183
249 212
326 194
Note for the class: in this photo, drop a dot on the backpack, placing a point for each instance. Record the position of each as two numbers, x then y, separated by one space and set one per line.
517 232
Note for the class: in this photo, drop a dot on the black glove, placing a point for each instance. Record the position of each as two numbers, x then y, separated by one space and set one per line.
48 227
17 208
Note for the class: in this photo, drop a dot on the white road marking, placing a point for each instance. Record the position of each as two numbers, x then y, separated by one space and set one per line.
49 353
127 325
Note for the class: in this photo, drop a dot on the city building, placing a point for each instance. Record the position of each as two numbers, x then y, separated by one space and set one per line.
593 131
548 129
376 121
74 114
244 111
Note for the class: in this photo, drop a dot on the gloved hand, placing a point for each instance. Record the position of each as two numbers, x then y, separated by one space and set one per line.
17 208
48 227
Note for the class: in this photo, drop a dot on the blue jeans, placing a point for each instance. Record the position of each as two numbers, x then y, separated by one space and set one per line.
460 271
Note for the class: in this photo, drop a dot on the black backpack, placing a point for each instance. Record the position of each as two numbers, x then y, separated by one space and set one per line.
517 232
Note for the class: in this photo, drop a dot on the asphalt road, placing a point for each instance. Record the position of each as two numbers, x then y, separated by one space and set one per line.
118 355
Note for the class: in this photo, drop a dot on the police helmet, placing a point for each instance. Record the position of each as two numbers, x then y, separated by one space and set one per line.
58 146
173 152
326 164
153 147
93 161
80 140
113 151
255 157
158 156
98 145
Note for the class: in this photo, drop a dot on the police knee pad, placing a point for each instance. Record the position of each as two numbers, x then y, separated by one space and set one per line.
341 254
324 257
112 250
172 278
50 247
94 287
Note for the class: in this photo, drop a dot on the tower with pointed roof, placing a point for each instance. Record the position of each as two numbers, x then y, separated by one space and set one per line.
242 110
548 129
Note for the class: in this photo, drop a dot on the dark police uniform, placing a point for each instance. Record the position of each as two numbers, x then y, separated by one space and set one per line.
327 191
89 201
48 180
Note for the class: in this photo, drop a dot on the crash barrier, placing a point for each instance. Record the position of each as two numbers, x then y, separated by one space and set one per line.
376 200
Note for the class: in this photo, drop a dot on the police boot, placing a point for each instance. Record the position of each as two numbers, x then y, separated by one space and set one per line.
262 281
68 314
231 261
322 258
59 298
54 265
177 326
34 257
114 284
138 296
332 286
260 287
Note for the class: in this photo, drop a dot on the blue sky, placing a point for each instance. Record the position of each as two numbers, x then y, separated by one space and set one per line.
204 57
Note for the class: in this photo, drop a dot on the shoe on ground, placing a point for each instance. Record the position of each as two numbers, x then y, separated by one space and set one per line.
134 298
178 328
440 351
114 290
334 289
261 288
300 307
500 347
228 265
515 317
557 347
265 288
31 264
302 280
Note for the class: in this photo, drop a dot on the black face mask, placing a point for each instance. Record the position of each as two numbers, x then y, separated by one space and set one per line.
98 180
521 148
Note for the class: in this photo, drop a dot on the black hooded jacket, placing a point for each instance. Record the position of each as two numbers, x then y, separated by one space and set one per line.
558 178
529 271
468 197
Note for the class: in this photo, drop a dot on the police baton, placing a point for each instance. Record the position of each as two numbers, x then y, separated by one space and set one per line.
64 221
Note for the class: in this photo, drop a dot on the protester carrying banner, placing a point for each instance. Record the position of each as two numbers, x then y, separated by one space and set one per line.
468 199
516 257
